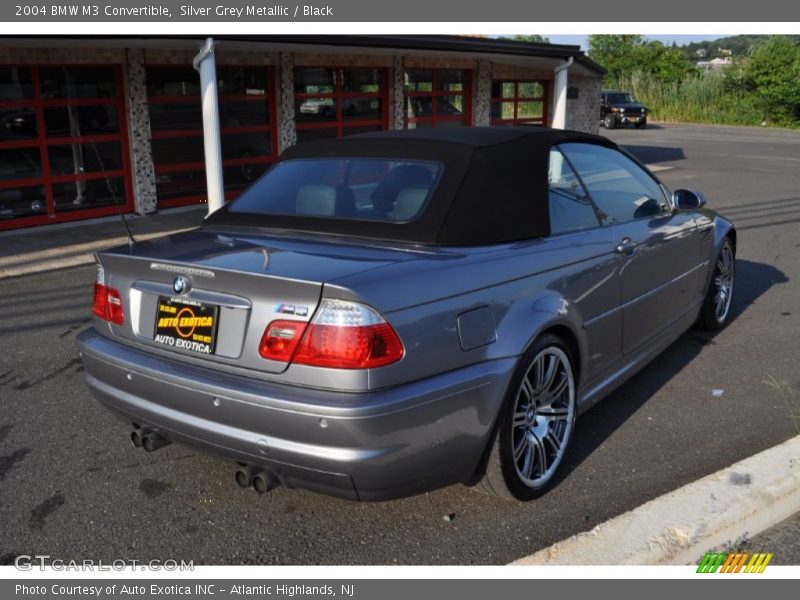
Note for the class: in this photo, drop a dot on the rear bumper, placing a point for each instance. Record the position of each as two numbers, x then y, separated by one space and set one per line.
369 446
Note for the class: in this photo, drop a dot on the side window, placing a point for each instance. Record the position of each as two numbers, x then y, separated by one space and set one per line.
620 189
570 207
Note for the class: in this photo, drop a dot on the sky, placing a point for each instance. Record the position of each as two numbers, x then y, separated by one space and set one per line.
681 40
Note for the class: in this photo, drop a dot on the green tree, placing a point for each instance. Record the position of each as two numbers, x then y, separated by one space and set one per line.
616 53
667 64
774 70
625 55
533 38
738 79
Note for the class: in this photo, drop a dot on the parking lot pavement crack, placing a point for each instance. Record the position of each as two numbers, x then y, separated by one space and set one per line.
44 510
4 429
75 363
7 462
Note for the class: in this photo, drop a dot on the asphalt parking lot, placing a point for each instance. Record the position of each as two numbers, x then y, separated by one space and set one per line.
72 487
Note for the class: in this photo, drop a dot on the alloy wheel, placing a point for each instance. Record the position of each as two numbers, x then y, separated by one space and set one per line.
723 283
543 417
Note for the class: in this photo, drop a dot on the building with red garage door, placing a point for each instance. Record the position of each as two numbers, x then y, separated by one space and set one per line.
91 125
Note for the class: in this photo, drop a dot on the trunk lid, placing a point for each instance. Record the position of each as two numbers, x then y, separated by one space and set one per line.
234 285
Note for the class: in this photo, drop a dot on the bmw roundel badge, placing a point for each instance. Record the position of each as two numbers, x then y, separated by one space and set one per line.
180 285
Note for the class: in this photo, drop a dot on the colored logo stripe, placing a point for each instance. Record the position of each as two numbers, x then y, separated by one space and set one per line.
733 563
711 562
758 563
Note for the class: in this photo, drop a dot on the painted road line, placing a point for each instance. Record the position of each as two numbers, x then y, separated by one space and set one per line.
67 256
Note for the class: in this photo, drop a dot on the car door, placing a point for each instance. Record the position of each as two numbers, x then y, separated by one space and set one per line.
658 247
589 280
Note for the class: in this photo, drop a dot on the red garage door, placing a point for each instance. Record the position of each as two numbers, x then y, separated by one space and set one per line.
332 102
438 98
63 144
518 102
247 126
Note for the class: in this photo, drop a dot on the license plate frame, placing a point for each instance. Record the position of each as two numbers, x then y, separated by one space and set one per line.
183 324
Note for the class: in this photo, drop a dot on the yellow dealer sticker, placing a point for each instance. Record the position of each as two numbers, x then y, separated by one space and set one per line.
186 325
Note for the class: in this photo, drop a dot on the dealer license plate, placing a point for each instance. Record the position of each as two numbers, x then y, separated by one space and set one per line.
186 324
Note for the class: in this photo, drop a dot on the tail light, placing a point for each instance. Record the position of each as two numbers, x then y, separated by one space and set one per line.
280 340
342 335
107 301
100 300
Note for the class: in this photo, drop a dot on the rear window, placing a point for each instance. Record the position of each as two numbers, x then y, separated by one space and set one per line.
343 188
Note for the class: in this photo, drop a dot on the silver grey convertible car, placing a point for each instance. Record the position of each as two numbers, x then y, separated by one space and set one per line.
394 312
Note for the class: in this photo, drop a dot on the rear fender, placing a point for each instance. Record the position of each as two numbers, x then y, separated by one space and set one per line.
525 322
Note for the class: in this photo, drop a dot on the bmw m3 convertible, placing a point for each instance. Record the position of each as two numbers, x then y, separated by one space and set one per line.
394 312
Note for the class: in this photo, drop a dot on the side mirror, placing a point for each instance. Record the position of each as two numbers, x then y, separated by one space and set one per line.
688 199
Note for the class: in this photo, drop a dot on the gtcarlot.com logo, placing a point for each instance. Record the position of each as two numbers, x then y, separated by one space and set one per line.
741 562
27 562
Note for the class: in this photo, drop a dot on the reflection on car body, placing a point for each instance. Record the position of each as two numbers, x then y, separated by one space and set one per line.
394 312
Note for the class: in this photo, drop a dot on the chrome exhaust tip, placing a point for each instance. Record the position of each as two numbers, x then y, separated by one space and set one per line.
137 437
244 477
152 442
264 482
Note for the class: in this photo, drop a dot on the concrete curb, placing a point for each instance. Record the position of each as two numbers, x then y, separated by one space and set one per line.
67 256
678 528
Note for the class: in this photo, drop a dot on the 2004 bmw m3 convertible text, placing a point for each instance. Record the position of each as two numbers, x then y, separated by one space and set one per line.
394 312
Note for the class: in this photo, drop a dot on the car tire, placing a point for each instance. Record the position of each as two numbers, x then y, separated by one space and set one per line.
715 313
535 423
641 124
610 122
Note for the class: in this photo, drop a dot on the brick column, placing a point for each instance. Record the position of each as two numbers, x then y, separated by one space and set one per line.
397 120
143 175
482 99
287 133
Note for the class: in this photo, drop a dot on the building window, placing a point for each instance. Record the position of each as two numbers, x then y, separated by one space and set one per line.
247 127
519 102
438 98
63 144
331 102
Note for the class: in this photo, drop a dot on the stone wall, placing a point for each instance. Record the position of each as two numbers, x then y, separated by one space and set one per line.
482 98
397 119
287 134
143 178
583 113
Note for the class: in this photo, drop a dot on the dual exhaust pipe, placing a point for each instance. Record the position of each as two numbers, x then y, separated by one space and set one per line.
149 440
260 480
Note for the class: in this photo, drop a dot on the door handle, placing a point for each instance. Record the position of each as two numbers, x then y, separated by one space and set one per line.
627 246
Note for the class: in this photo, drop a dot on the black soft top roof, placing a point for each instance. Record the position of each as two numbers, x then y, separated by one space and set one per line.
493 187
478 137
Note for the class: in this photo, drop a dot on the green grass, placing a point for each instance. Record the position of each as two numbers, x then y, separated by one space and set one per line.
705 98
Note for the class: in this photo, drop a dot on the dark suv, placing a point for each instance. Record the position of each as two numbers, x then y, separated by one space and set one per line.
621 108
